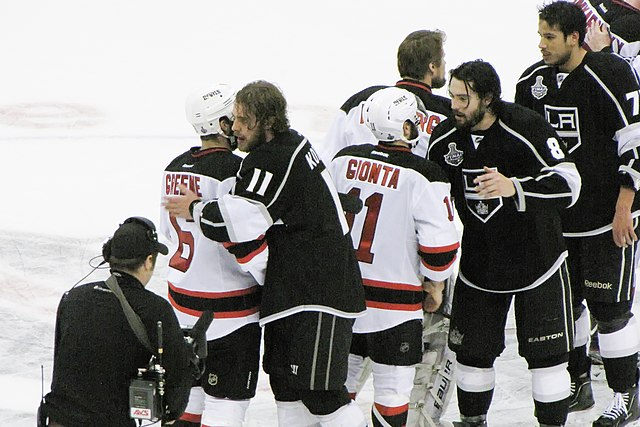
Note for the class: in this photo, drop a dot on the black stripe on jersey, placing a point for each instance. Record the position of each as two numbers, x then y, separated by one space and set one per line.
357 98
247 301
397 156
212 223
393 296
243 249
439 260
218 163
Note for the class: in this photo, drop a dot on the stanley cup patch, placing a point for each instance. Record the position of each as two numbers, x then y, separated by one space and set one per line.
454 157
539 90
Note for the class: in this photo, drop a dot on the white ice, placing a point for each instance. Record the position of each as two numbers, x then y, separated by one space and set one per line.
92 111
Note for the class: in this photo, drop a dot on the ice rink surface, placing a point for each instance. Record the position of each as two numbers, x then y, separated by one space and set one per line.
92 111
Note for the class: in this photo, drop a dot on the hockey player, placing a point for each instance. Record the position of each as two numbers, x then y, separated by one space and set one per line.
203 275
404 235
312 290
421 66
593 101
509 178
613 26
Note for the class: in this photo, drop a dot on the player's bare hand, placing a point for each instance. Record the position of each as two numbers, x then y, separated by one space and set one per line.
178 206
624 234
493 184
597 36
433 297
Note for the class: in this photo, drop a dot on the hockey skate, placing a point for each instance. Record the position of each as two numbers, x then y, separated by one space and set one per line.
581 397
622 410
475 421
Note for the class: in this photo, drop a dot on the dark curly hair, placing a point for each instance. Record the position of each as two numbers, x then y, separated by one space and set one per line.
483 79
566 16
266 102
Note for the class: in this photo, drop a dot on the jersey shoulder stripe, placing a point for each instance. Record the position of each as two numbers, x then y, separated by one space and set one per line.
397 157
359 97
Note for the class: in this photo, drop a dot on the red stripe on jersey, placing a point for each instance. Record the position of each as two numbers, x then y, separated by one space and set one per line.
217 314
386 147
396 307
390 411
439 267
390 285
250 256
414 84
439 249
202 153
212 295
227 245
192 418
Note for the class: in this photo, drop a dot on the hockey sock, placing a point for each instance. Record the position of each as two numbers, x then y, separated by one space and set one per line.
579 361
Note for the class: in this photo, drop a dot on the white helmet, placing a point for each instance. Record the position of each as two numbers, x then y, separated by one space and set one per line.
206 107
387 109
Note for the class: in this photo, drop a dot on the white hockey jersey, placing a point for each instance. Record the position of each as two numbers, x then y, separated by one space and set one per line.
348 126
203 274
405 230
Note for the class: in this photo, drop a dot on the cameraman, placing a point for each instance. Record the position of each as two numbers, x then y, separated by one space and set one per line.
96 351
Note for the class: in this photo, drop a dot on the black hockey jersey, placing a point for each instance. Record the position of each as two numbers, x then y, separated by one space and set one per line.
348 127
284 191
515 243
596 111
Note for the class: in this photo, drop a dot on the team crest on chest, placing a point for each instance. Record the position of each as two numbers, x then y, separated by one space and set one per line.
539 90
454 157
480 207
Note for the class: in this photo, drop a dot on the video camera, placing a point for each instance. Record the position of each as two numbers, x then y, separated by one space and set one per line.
146 391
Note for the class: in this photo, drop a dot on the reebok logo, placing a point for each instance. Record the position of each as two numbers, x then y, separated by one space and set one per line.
598 285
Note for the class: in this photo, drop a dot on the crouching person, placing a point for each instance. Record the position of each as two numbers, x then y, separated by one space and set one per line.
97 353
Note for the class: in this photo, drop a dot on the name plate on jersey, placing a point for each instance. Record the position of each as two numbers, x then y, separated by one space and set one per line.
482 208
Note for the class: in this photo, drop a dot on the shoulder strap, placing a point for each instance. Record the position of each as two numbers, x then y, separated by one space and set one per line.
132 317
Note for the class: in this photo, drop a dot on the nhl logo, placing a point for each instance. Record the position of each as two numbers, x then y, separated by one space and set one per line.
482 208
539 90
213 379
454 157
404 347
455 337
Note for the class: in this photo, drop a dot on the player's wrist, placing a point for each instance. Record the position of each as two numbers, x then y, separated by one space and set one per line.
192 206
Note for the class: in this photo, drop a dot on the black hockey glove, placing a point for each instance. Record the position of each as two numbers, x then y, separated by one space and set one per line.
350 203
197 337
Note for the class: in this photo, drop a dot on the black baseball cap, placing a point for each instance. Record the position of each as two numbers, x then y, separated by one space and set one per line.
136 238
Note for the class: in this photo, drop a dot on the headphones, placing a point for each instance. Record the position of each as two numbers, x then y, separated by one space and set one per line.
150 229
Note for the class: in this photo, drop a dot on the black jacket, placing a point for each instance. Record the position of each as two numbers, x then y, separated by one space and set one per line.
97 353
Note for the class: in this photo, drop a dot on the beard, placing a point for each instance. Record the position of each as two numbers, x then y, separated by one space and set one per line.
468 123
438 82
259 138
562 59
